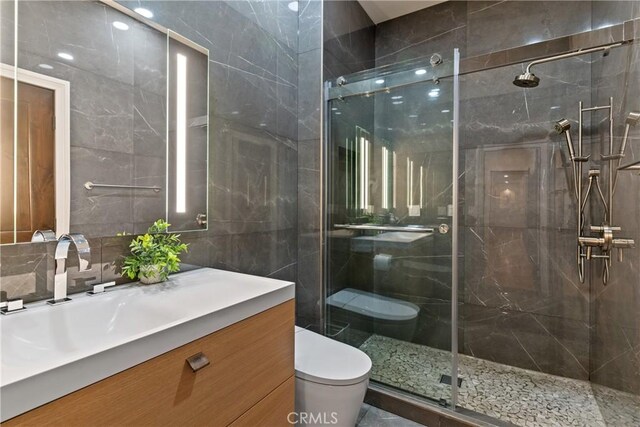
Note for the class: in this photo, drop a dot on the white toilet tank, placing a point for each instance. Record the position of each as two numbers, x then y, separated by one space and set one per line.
331 380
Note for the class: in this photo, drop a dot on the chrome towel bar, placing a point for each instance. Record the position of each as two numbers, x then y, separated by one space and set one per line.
91 185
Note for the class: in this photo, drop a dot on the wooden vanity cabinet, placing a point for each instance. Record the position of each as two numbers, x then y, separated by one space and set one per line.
248 382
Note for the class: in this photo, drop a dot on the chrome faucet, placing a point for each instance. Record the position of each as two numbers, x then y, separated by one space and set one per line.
62 251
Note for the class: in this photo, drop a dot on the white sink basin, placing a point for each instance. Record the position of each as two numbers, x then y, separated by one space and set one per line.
47 352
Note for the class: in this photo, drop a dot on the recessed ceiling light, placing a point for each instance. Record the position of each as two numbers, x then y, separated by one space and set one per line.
396 97
379 81
389 128
45 66
293 6
506 176
65 55
144 12
506 182
434 93
413 116
262 125
555 107
334 109
120 25
337 113
446 111
235 112
421 71
397 102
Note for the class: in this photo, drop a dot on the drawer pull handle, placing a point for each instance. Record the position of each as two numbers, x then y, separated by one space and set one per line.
198 361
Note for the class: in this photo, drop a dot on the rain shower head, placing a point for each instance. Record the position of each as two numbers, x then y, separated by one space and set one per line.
633 118
526 80
562 126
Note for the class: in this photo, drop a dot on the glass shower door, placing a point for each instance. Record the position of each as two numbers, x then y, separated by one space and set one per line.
390 211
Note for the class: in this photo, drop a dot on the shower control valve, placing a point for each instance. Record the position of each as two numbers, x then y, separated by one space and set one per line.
606 242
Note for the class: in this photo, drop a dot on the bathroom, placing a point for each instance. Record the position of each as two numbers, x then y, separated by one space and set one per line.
395 212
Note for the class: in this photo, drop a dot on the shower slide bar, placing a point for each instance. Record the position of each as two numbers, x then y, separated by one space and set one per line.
605 242
613 36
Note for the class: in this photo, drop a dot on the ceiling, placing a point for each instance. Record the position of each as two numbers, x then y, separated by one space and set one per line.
383 10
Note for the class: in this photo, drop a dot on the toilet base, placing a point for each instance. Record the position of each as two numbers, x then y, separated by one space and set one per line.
322 404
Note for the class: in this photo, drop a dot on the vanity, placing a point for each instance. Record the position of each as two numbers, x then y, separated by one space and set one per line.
207 347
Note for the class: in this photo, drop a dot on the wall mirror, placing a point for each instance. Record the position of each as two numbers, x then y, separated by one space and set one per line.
105 121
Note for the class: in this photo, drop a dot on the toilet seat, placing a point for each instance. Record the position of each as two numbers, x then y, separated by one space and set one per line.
325 361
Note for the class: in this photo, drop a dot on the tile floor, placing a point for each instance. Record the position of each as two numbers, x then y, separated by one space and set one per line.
519 396
370 416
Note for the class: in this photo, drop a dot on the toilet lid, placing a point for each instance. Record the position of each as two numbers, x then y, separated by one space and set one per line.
373 305
326 361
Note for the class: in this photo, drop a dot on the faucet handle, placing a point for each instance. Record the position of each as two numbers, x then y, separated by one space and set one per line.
100 288
13 306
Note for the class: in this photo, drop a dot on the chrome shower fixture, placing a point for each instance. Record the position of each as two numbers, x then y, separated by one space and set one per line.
605 241
528 79
632 120
563 126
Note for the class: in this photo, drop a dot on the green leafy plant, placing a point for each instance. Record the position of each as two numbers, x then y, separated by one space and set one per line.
156 248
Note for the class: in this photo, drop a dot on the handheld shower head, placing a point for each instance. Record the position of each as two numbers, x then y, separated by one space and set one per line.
526 79
633 118
562 126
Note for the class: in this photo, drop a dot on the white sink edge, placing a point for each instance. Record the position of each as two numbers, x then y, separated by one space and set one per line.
47 385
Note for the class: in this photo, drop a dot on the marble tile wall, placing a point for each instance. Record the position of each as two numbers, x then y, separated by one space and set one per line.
615 319
253 226
522 302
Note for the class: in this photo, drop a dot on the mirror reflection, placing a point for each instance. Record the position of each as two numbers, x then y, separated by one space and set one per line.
104 123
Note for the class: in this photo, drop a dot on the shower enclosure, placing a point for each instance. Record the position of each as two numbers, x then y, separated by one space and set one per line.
451 218
391 212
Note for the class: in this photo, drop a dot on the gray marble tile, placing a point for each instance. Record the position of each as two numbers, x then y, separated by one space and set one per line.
437 29
515 23
26 270
7 34
348 39
82 29
370 416
309 95
99 206
310 25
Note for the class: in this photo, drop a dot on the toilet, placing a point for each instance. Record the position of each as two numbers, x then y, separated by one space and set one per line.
331 380
379 314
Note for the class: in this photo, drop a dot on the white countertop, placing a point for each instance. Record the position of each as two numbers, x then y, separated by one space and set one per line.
50 351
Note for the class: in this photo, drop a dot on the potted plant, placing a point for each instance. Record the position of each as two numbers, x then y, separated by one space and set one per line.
154 255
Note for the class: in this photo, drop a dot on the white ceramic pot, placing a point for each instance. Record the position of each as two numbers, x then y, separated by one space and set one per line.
150 274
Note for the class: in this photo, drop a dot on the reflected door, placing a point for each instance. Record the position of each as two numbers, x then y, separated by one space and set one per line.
28 165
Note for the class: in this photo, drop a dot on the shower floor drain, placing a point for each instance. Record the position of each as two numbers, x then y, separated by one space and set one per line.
446 379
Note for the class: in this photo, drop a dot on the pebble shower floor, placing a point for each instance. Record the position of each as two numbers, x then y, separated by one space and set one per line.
518 396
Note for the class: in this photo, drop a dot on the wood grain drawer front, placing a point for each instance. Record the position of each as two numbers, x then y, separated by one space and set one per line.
248 360
273 410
